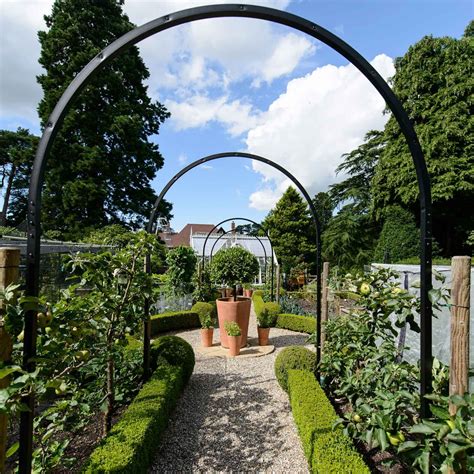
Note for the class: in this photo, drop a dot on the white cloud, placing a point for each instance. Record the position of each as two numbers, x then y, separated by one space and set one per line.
183 158
206 167
308 128
197 111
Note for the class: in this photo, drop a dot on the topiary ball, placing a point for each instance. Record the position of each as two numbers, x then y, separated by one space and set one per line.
293 357
175 351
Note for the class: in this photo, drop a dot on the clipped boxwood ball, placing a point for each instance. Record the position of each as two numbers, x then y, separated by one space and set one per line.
293 357
175 351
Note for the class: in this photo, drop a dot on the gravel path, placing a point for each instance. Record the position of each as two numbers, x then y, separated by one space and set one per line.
233 416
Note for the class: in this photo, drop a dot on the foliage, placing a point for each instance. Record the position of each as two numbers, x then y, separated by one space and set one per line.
433 80
291 304
17 151
234 265
298 323
326 450
324 204
204 290
206 313
174 351
258 303
443 442
293 357
400 237
72 380
173 320
132 442
291 230
232 329
268 316
362 361
181 267
105 136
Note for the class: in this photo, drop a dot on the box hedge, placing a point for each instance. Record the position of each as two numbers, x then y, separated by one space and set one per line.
293 357
174 320
327 450
258 303
132 442
297 323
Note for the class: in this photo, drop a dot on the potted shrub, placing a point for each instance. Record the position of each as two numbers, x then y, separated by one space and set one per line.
230 267
248 291
207 319
234 334
266 319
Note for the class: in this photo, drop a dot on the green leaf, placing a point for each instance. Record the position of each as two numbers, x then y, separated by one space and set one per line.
12 449
421 428
407 446
9 370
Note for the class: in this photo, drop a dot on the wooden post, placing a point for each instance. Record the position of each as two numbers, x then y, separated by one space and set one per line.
9 272
324 303
460 300
277 283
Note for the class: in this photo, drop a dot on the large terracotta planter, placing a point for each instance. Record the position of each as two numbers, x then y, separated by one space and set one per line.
248 293
234 345
263 335
237 311
206 337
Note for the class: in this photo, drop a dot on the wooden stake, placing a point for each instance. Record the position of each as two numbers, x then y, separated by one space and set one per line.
9 272
324 303
460 300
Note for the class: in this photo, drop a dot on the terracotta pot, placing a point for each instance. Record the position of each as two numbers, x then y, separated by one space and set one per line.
234 345
263 334
206 337
228 292
248 293
237 311
300 279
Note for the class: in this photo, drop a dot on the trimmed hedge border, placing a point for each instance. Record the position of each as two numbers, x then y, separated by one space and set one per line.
295 322
132 442
258 303
327 450
174 320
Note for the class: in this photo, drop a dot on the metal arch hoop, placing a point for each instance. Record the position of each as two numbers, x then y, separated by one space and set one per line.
312 209
169 21
247 220
225 233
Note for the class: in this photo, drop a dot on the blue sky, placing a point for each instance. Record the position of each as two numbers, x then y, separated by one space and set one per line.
246 85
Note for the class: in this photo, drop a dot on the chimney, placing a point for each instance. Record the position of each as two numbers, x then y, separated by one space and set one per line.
232 227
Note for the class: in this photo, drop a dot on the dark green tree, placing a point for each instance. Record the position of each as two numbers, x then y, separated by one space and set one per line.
434 82
181 263
324 205
291 231
400 237
17 150
103 160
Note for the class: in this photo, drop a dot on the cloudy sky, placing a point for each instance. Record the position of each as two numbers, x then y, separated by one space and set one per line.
245 85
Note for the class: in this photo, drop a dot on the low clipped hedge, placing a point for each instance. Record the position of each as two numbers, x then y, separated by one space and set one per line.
132 442
293 357
327 450
297 323
174 320
258 303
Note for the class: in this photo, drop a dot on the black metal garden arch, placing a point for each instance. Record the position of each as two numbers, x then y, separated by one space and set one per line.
252 222
56 118
314 217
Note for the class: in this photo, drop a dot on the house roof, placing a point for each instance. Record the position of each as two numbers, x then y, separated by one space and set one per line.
183 237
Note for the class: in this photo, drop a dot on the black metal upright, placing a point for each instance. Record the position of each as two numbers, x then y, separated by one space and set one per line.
164 23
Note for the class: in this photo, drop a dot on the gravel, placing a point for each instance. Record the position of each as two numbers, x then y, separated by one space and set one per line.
233 416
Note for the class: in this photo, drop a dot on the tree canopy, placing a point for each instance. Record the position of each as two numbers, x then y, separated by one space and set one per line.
103 160
291 231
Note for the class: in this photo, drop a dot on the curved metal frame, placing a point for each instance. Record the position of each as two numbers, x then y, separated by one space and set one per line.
253 222
164 23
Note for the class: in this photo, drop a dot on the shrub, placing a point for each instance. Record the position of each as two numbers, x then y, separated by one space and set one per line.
294 322
258 293
205 312
174 320
175 351
326 450
181 266
293 357
232 328
258 303
268 316
131 443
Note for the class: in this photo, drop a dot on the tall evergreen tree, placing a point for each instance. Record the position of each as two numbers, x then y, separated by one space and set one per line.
324 205
434 82
291 231
103 161
17 151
